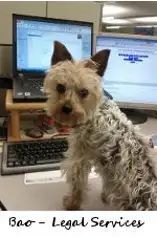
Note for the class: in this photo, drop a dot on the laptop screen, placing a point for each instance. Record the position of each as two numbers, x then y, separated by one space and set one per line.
34 41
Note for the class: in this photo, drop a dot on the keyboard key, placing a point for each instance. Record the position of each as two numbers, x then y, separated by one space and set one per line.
46 161
24 162
32 162
10 164
17 163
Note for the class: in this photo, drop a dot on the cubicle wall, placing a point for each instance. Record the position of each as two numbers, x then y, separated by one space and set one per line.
8 8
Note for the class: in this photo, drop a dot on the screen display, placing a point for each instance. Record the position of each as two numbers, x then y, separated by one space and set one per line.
35 42
131 75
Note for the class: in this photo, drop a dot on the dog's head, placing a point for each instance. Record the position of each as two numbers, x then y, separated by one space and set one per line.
74 88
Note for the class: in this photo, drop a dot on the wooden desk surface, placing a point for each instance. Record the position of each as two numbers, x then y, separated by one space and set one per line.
23 106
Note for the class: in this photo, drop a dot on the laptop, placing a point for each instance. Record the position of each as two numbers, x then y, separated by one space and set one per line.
33 39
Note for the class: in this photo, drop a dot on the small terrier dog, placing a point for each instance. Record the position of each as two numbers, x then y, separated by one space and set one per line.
101 135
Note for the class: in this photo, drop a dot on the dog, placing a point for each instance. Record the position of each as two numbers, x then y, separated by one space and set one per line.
101 135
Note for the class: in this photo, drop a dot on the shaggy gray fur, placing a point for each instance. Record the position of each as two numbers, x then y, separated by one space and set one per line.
121 156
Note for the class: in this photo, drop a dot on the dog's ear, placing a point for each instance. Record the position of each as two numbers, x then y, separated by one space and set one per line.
99 61
60 53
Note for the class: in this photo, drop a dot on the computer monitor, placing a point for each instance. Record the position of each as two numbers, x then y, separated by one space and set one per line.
131 75
33 41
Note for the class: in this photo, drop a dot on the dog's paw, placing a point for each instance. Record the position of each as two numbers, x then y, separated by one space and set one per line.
69 203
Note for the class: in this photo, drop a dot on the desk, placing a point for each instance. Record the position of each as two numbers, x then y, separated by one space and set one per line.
15 109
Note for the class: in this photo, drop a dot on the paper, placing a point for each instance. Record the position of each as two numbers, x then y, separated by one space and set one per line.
49 177
44 177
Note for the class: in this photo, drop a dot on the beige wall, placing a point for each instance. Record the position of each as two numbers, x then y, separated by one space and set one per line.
6 10
85 11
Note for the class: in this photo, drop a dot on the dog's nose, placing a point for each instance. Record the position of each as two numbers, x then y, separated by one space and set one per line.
67 109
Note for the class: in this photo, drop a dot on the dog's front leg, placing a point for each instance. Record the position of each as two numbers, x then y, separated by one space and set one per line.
77 177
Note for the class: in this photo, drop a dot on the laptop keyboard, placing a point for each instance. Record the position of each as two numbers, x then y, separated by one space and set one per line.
30 156
34 84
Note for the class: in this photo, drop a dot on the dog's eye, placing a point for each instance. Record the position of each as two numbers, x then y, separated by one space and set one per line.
60 88
83 93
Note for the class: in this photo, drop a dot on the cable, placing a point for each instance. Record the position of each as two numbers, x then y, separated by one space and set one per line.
6 45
